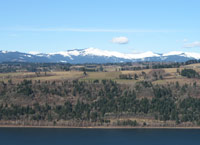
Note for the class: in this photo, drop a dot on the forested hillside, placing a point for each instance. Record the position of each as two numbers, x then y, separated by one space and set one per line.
79 103
114 95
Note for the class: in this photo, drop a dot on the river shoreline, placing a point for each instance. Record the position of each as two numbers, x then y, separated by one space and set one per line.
96 127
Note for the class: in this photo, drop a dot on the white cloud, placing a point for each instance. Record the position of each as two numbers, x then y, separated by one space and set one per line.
120 40
192 45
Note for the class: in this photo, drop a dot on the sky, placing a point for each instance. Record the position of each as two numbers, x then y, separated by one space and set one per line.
127 26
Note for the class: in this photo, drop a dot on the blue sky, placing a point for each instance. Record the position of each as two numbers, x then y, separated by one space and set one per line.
58 25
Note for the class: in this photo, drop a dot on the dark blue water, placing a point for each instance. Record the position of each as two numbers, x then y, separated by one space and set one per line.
27 136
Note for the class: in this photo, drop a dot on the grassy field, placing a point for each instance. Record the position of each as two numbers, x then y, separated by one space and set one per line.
101 75
171 75
50 76
67 75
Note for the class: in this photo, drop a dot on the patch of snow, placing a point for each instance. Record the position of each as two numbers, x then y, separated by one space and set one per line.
34 52
63 53
173 53
4 51
143 55
193 55
74 52
40 55
28 55
185 54
63 61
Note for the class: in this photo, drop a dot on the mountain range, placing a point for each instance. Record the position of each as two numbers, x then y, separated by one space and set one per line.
94 55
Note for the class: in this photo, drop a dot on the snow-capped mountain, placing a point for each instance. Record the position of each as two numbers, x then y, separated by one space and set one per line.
94 55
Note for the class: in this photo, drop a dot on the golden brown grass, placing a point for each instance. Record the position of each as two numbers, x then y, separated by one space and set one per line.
172 76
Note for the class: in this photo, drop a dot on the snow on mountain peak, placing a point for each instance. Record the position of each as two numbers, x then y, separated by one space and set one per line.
192 55
185 54
173 53
34 52
74 52
98 52
105 53
143 55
